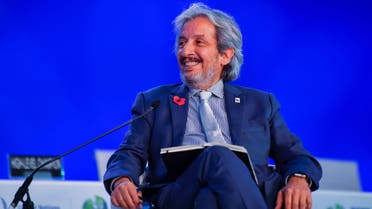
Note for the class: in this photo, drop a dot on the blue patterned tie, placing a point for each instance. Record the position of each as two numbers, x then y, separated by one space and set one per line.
209 123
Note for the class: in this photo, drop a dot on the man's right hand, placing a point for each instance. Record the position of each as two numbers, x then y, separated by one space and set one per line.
125 194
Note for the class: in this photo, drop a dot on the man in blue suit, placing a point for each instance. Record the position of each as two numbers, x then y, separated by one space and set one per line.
209 52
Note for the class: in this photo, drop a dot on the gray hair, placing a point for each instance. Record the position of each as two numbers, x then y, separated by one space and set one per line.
228 35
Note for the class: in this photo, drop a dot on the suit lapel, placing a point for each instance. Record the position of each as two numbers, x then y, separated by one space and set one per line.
178 113
234 108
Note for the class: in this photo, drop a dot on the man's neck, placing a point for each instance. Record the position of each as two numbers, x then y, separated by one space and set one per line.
216 89
203 87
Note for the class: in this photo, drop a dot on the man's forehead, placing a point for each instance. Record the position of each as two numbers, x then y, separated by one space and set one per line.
198 27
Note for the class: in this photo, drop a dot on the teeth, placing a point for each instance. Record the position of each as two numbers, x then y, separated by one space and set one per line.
190 63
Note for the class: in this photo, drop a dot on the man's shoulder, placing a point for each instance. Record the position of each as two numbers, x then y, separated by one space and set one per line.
247 90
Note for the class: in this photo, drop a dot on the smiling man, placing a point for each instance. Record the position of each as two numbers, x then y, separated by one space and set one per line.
206 108
200 61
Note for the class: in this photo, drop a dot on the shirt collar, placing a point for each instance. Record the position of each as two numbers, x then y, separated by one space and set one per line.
216 89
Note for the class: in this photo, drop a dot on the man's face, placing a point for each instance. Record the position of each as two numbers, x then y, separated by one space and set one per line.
200 62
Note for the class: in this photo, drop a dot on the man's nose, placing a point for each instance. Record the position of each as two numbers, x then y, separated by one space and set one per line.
187 49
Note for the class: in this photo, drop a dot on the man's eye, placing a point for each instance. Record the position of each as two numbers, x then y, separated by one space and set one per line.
181 44
200 42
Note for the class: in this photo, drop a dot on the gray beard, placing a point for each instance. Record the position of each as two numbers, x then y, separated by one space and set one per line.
198 80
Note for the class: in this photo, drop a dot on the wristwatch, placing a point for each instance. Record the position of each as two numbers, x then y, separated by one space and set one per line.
301 175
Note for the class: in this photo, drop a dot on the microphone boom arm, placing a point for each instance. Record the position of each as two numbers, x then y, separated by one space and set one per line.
24 188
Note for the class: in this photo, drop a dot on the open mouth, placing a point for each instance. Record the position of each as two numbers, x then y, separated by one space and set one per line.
190 61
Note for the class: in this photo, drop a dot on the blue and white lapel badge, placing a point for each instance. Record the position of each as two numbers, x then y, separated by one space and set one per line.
237 100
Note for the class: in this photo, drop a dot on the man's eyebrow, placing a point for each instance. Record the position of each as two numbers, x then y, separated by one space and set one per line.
199 36
194 36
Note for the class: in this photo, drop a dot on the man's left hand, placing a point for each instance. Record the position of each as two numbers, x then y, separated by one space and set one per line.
295 195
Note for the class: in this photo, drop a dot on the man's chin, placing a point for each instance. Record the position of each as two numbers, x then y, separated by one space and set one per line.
194 81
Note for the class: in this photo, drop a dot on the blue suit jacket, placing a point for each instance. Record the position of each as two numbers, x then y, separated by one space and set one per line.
254 121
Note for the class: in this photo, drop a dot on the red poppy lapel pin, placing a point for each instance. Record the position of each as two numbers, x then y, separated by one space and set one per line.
179 101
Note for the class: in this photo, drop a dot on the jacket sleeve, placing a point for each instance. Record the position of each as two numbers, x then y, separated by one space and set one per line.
131 157
287 150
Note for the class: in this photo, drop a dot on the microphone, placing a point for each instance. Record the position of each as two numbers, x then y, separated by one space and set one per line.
24 188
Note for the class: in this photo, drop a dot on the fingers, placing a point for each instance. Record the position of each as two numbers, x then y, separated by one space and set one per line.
279 200
125 195
309 203
291 199
294 198
139 195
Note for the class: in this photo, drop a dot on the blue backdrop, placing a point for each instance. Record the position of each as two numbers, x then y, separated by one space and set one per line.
70 71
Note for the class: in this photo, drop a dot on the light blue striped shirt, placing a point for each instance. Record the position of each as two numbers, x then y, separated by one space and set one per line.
194 132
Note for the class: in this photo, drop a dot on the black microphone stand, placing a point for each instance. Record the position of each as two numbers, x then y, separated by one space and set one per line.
28 204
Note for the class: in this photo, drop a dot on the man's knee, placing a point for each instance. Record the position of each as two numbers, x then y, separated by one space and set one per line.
219 155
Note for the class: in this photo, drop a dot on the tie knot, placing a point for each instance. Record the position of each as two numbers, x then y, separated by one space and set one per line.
205 95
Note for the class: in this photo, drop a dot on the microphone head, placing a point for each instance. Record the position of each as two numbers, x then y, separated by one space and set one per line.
155 104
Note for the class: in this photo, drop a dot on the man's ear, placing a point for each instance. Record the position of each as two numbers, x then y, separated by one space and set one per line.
226 56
